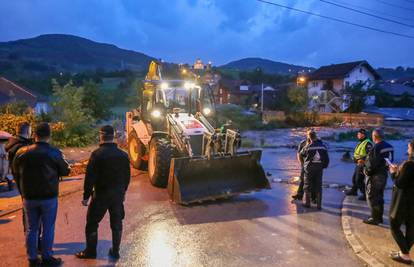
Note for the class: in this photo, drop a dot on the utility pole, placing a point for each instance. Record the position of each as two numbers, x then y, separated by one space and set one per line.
262 100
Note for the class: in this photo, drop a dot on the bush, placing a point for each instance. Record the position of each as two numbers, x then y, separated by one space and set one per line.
9 122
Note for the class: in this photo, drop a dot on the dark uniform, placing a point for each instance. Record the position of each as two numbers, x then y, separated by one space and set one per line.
14 144
360 154
315 156
377 172
299 194
107 179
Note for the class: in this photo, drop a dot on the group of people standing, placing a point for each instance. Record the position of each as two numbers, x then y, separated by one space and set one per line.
37 168
373 163
313 157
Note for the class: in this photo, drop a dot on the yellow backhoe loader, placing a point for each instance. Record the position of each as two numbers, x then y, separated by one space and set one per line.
171 136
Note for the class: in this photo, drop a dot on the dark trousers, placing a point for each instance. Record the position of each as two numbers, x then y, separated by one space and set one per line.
404 241
301 182
358 179
96 211
313 182
40 212
375 195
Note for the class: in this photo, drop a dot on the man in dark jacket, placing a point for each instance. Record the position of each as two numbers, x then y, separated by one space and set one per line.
37 168
24 131
106 181
361 151
376 171
315 159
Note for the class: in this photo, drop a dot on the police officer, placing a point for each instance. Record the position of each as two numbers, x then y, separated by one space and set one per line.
315 159
376 171
360 154
106 181
299 192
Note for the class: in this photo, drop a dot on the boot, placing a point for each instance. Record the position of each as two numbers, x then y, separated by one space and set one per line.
306 203
116 242
376 216
91 243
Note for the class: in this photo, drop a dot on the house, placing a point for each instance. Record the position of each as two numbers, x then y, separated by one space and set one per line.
397 90
326 85
11 92
246 94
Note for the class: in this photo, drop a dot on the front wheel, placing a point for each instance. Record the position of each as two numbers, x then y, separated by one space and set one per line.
159 159
136 152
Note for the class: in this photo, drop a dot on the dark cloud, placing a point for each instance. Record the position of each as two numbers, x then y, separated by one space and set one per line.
219 30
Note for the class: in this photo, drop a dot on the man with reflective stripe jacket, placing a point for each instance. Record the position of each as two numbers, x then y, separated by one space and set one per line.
376 170
315 159
360 154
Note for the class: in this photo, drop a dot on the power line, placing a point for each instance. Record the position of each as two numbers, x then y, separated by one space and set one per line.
394 5
376 11
368 14
337 20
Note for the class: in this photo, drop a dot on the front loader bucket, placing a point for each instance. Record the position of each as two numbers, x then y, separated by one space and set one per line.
198 179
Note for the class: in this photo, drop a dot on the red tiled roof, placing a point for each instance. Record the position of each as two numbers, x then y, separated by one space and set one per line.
9 91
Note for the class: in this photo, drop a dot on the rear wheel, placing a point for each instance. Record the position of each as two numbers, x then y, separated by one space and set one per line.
136 152
159 159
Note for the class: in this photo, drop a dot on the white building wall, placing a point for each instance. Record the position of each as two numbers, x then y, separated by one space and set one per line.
315 87
359 74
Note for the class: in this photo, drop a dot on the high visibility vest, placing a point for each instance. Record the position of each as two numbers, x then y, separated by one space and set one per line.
361 149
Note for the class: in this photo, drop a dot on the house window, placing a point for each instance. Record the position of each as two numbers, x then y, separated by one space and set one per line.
360 70
314 84
221 91
347 84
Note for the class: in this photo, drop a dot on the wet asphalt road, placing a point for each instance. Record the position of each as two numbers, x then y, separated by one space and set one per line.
258 229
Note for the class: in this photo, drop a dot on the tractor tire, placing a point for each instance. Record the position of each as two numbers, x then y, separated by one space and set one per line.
136 152
159 159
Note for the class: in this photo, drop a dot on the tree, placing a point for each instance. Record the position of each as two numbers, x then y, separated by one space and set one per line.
96 100
405 101
77 120
298 98
358 96
382 98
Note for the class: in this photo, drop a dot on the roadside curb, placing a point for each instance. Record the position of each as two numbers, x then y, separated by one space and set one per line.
62 193
360 250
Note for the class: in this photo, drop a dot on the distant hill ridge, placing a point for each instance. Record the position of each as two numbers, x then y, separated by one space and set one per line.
62 52
268 66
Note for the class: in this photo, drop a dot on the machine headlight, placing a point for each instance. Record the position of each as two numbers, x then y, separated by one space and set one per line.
164 85
156 113
206 111
189 85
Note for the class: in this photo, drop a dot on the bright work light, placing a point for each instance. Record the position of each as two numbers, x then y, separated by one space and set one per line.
164 85
206 111
156 113
189 85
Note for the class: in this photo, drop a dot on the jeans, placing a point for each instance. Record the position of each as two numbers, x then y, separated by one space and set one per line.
40 212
